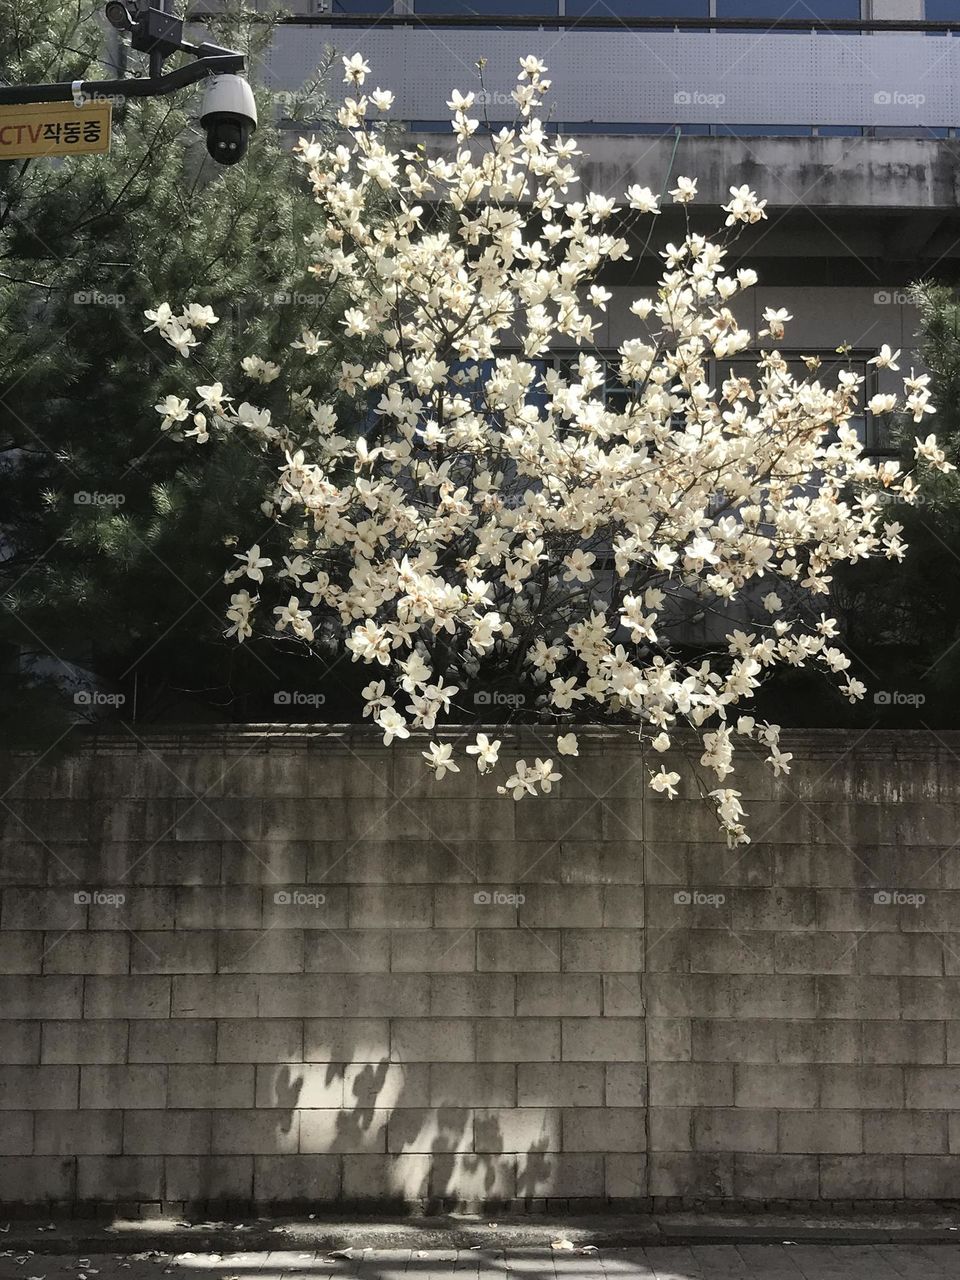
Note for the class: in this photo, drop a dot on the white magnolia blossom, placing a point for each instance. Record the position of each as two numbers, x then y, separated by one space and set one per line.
494 509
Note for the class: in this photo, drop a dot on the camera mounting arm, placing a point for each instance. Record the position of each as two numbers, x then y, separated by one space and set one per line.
154 31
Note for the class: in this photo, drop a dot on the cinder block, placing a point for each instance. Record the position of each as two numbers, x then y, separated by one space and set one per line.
206 1179
916 954
734 1129
472 1084
464 1177
475 905
602 950
932 1088
927 999
600 1129
671 1128
205 1086
28 996
346 951
788 1087
560 1177
597 862
930 1177
19 1043
180 952
432 1040
20 952
127 1088
868 1177
692 1084
623 995
260 1133
518 1040
783 996
386 1085
625 1177
390 906
560 906
346 1039
816 952
559 1084
732 1040
144 908
386 1179
260 951
178 1040
339 1130
433 951
603 1040
284 1086
300 1179
220 819
37 1179
311 906
855 997
78 1133
219 907
623 906
92 1042
669 1039
119 996
472 995
259 1040
691 1174
266 862
844 1086
556 995
911 1043
166 1132
906 1132
106 1178
816 1132
778 909
625 1084
782 1177
220 995
518 950
46 910
818 1041
314 995
28 1088
517 1129
421 1130
714 951
16 1133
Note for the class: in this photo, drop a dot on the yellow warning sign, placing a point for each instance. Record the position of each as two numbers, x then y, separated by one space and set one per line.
54 129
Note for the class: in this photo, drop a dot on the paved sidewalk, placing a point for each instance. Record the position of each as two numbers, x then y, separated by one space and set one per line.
694 1262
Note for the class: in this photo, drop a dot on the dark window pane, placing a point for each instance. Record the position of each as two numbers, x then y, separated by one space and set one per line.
942 11
601 126
489 8
764 130
362 6
638 8
840 130
800 10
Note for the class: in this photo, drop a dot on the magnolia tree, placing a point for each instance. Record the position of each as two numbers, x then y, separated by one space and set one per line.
487 509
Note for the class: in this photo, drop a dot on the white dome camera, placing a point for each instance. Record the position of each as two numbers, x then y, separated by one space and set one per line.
229 116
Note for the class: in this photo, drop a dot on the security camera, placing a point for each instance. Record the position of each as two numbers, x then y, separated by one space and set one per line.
229 116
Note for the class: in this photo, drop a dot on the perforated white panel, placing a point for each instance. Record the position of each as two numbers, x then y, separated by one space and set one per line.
651 77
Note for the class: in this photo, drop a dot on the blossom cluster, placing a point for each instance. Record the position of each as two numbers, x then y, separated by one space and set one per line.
495 509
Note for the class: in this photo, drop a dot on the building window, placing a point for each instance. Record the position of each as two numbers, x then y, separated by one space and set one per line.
489 8
638 8
800 10
363 7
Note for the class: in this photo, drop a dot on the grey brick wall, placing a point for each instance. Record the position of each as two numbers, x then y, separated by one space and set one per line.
274 967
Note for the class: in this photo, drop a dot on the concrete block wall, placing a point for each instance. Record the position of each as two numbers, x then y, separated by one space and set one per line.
271 967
